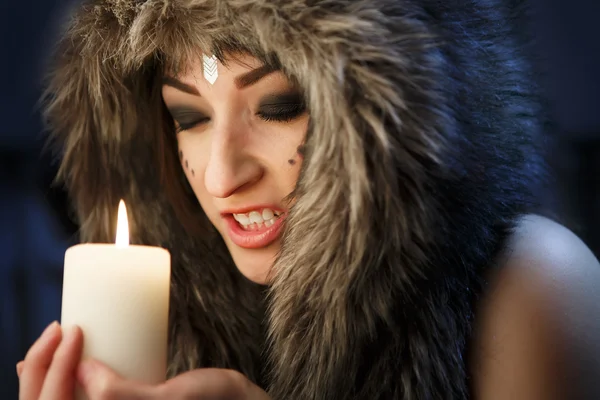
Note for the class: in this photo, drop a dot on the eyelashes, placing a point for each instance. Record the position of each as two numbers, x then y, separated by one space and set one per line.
273 108
282 112
187 119
281 108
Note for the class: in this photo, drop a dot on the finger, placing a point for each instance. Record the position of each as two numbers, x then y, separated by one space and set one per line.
101 382
20 365
60 379
37 361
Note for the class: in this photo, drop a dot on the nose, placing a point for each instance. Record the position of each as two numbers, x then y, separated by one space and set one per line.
230 167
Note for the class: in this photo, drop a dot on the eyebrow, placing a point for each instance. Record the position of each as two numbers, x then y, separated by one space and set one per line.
250 78
177 84
242 81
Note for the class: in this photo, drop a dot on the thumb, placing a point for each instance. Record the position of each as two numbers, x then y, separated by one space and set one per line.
99 382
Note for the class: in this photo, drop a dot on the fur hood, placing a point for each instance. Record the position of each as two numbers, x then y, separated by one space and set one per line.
419 157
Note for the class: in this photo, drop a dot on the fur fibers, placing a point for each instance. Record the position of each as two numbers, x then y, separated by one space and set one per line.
420 156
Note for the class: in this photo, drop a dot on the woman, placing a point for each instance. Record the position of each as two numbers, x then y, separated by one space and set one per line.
346 189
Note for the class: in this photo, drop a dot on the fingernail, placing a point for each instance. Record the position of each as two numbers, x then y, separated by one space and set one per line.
49 329
20 365
70 333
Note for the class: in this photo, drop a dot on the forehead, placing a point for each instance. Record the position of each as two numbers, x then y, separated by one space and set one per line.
229 64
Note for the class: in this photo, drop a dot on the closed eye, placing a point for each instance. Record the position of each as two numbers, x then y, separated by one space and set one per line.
282 108
186 118
281 112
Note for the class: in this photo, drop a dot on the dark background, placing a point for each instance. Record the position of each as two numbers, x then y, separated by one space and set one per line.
35 229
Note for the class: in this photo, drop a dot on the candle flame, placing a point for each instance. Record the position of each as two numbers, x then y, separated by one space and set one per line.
122 239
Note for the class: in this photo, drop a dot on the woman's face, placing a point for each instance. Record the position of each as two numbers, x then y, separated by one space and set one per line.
238 145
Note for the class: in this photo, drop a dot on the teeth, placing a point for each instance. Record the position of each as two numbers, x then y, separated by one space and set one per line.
242 219
267 214
255 219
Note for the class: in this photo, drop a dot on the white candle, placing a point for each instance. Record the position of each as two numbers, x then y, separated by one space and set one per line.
119 296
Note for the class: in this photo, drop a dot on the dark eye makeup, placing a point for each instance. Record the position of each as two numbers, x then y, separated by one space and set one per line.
277 108
187 118
281 108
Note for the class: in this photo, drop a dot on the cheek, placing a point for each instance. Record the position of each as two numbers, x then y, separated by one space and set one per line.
289 140
193 151
187 163
290 146
298 157
191 156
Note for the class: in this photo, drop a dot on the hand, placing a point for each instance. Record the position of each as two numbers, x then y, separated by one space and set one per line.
48 371
101 383
52 366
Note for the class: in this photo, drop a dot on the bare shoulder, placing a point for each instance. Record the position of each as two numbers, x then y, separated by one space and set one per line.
538 328
540 239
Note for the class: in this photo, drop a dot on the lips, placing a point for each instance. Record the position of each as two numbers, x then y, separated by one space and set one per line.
256 238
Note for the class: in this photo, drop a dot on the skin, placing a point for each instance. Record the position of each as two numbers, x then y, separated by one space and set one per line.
52 368
537 325
232 157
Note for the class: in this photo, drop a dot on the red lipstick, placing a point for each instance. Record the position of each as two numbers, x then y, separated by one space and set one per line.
255 238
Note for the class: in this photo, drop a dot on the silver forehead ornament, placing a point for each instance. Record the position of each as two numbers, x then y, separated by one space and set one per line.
210 68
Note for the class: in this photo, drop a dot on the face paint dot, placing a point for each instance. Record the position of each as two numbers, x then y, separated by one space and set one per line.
180 154
301 150
186 163
292 161
193 173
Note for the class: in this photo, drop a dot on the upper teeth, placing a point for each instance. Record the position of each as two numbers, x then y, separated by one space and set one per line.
267 216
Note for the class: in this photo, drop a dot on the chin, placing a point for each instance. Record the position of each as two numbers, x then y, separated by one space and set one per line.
255 265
